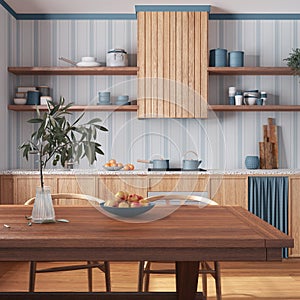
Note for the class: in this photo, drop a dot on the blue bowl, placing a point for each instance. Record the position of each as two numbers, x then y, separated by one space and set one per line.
127 212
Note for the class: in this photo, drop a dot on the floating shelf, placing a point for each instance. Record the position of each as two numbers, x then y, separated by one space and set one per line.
73 70
77 108
250 71
248 108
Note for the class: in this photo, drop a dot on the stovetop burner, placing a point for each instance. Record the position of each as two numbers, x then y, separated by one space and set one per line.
176 169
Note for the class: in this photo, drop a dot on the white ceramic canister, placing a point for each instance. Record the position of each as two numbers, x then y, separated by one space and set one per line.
117 58
238 98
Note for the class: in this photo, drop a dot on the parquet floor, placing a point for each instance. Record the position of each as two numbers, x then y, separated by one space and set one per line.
247 281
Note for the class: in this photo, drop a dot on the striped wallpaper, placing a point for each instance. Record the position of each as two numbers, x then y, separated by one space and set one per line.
221 141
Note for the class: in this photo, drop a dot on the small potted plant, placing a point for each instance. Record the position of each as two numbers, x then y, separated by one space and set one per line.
293 61
56 139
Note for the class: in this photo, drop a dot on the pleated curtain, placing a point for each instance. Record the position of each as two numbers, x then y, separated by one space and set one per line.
268 199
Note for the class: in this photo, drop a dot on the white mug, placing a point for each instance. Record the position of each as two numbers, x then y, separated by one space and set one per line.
238 99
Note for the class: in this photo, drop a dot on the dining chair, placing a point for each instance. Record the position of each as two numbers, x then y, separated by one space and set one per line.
205 268
71 199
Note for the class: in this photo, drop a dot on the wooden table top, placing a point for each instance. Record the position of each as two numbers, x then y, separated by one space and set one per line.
189 234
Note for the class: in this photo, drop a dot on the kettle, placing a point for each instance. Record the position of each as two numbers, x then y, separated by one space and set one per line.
190 164
117 58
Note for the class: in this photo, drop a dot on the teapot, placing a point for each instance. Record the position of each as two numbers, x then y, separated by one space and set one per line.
190 164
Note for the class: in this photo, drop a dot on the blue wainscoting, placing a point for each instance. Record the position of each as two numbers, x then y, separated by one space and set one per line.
268 199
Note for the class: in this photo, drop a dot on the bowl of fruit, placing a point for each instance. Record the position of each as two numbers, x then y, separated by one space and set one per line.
113 165
127 205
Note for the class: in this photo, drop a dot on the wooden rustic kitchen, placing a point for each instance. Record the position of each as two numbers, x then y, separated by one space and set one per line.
134 104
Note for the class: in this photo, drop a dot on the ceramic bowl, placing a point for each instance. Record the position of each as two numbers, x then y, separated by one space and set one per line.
127 212
88 59
112 168
20 101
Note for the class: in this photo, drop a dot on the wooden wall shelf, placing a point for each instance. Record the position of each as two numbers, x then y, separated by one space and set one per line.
248 108
113 108
73 70
271 71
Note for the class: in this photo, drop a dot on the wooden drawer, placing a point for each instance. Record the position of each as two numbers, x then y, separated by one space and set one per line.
177 183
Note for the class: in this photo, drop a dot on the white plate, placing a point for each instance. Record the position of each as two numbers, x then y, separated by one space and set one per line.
88 64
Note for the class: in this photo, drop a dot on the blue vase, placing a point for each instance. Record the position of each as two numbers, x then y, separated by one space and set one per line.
252 162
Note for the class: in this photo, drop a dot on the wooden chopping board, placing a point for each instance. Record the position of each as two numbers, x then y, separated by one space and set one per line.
268 149
273 138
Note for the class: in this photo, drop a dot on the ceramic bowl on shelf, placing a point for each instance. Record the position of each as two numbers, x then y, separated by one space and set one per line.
20 101
88 59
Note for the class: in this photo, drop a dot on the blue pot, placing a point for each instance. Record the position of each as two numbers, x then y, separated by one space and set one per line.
252 162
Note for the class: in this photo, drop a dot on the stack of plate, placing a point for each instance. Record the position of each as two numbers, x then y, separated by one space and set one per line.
88 61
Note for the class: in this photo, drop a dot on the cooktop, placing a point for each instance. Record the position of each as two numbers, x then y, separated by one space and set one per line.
176 169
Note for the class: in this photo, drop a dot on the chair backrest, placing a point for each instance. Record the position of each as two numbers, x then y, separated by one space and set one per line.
175 199
69 199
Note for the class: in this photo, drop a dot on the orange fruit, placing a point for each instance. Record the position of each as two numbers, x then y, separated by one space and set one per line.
112 161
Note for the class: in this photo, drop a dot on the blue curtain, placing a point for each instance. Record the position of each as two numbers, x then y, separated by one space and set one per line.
268 199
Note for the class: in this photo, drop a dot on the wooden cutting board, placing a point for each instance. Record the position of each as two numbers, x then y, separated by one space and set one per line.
268 149
273 138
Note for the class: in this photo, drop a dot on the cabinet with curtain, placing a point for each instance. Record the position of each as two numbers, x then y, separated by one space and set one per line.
268 199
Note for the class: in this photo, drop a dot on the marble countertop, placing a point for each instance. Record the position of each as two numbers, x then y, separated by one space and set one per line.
146 172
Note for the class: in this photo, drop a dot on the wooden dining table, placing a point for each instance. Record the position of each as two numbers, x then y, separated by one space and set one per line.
187 235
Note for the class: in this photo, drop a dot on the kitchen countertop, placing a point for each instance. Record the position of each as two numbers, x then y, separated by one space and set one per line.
278 172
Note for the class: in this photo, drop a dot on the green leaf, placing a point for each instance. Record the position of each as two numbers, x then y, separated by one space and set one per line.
95 120
37 120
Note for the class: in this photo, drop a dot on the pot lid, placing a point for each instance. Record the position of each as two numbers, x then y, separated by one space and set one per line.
117 50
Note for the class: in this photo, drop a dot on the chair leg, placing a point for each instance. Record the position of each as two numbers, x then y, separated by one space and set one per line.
107 276
218 280
90 277
147 276
141 276
32 269
204 278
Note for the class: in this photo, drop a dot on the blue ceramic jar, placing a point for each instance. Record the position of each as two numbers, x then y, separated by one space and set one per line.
218 57
252 162
236 58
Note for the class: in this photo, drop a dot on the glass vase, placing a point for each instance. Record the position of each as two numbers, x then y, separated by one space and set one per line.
43 210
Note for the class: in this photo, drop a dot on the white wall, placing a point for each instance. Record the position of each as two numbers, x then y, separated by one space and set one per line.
6 27
128 6
222 141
